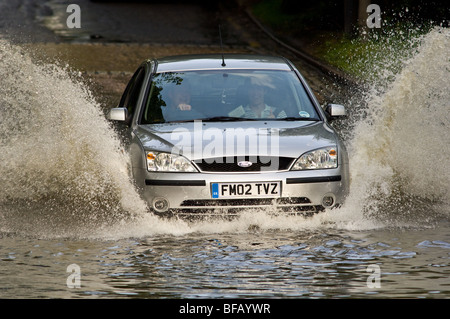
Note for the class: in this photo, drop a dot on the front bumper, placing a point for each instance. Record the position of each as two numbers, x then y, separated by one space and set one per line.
191 193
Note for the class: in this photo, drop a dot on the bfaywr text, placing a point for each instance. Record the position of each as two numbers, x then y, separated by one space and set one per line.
228 308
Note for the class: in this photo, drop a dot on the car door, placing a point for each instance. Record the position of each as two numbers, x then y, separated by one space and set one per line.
131 94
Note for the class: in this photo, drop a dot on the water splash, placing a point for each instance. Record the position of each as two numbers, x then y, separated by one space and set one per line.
399 151
58 155
63 171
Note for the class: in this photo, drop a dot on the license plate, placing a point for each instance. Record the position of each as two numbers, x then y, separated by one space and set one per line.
252 189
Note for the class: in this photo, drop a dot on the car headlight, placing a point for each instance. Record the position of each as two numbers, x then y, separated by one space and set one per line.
317 159
167 162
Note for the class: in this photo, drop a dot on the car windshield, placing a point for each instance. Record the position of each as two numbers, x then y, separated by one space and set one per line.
236 95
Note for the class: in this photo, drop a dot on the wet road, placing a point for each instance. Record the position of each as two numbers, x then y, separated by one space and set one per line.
123 34
79 221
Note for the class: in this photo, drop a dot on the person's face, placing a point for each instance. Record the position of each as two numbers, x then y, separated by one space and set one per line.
256 94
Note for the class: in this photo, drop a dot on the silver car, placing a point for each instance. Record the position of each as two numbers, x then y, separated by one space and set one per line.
221 134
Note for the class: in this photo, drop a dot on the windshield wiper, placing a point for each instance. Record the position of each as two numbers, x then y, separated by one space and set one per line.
293 118
236 119
214 119
179 121
225 118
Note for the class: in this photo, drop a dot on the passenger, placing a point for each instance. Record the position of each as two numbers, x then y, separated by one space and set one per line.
256 107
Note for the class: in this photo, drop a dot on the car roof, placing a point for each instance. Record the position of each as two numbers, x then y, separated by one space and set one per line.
214 62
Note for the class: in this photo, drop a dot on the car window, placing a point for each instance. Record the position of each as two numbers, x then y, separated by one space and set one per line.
240 94
130 97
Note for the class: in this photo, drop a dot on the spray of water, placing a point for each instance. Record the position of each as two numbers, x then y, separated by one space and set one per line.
58 156
63 171
399 151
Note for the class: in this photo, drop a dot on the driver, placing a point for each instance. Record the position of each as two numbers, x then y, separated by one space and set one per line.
256 107
178 104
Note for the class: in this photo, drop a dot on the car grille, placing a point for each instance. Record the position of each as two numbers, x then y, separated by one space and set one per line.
247 202
230 207
231 164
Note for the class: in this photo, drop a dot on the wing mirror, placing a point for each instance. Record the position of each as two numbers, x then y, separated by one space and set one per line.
335 110
117 114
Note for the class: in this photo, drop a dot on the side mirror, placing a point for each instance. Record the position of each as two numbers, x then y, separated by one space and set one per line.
117 114
335 110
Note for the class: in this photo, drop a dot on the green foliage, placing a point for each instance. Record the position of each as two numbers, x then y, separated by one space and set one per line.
370 55
367 54
294 16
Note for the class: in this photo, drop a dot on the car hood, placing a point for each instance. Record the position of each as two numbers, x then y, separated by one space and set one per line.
197 140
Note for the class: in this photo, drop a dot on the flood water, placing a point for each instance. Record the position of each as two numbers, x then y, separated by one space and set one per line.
238 263
72 226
